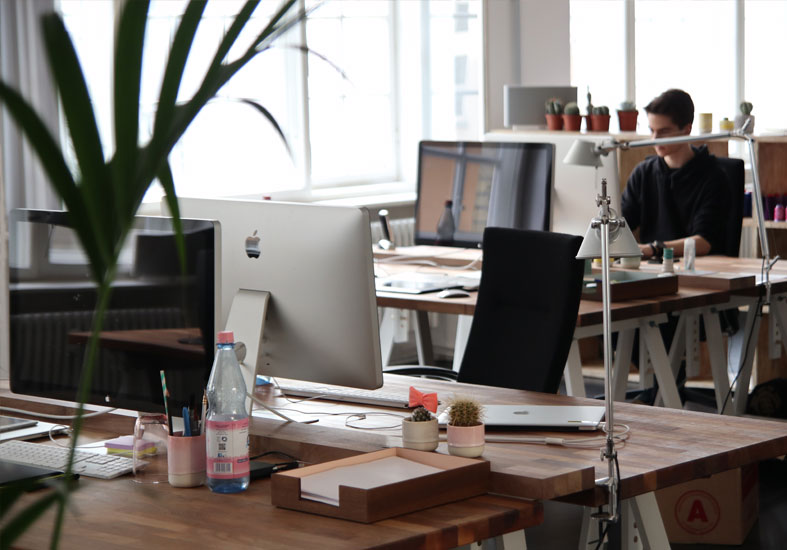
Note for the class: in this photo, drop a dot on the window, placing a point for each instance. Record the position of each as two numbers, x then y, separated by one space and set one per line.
409 71
688 44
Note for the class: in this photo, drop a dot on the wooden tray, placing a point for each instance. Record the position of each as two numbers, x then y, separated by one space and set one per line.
462 478
630 285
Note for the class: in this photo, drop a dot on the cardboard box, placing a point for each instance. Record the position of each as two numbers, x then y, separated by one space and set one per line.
720 509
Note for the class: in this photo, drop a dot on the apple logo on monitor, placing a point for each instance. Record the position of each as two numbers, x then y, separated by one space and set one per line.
253 245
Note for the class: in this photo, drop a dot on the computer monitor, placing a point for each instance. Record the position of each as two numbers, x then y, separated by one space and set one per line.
158 318
316 263
493 184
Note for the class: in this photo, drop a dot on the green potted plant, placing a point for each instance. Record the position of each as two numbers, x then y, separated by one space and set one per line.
103 192
745 115
600 119
572 120
465 430
554 114
420 430
588 117
627 117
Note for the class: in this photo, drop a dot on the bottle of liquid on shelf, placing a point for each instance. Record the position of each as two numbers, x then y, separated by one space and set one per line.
446 225
227 421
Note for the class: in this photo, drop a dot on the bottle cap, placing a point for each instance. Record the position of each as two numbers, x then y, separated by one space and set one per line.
225 337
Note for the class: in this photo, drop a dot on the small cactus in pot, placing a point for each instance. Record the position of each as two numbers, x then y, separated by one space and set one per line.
572 120
465 430
554 112
420 430
600 118
627 116
745 116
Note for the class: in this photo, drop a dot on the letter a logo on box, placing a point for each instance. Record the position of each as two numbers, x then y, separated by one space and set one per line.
697 512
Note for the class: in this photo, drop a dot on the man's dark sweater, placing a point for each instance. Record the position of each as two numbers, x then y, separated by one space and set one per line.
667 204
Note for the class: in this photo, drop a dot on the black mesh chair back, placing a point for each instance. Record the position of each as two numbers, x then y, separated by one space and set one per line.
733 169
524 320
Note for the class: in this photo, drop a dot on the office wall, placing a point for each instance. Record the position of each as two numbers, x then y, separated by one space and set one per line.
525 42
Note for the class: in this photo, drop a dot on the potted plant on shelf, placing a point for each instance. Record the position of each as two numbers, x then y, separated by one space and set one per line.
465 430
104 190
554 114
600 119
588 117
572 120
627 117
745 115
420 430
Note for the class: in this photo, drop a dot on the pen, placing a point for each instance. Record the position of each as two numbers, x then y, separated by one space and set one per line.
186 422
165 391
204 409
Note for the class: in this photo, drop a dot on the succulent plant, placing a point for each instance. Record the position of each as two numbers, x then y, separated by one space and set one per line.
420 414
601 110
464 411
554 106
628 106
571 108
590 103
746 108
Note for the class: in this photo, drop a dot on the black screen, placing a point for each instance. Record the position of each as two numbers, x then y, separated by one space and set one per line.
158 318
487 184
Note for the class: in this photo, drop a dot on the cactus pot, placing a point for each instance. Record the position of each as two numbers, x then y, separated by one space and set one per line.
627 121
599 123
467 441
572 123
421 436
554 122
740 120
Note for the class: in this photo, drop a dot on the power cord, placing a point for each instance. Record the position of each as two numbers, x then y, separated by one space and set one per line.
758 313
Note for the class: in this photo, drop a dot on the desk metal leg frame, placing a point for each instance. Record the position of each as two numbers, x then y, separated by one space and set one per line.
513 541
392 318
626 329
641 526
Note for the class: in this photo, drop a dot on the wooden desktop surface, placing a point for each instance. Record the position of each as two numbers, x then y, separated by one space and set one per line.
665 446
122 514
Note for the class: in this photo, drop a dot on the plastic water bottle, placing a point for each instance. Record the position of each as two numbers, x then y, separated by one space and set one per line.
227 421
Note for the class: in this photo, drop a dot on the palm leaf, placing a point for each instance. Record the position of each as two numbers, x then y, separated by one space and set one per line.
271 119
25 518
168 183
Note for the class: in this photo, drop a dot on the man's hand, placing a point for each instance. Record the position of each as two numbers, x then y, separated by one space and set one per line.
647 251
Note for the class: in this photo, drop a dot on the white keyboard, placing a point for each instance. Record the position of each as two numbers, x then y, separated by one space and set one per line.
349 395
51 456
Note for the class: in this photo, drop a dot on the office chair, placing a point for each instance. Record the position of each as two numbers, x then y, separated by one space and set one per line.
528 299
733 169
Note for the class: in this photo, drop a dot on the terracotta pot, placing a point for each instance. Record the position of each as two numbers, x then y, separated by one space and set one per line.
572 123
421 436
467 441
599 123
627 121
554 122
588 123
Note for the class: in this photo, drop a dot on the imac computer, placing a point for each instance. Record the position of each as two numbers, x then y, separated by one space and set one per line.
158 318
464 187
315 263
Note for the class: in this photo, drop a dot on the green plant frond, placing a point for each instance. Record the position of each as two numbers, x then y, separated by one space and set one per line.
168 183
25 518
334 66
176 63
275 27
78 111
230 37
267 114
54 164
128 74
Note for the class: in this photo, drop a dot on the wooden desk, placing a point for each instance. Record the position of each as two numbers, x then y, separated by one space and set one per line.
122 514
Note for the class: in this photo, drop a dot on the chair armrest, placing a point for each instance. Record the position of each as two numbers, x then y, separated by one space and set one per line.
439 373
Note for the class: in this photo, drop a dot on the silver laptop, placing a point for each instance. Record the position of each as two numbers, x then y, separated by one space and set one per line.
539 417
421 283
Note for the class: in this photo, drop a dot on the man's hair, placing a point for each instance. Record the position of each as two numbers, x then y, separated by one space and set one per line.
675 104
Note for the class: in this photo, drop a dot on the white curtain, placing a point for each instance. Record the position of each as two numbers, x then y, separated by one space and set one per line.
23 65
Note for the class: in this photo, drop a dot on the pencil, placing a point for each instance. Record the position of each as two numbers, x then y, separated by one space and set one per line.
165 391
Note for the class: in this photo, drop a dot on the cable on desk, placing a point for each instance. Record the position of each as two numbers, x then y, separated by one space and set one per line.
57 416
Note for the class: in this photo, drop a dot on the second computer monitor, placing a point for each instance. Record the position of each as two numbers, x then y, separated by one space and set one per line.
316 262
464 187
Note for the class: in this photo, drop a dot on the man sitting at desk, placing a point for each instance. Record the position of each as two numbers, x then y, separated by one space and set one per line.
680 192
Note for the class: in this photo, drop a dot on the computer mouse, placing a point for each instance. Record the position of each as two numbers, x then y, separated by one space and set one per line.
453 293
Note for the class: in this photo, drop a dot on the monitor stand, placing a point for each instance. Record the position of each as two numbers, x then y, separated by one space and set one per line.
246 320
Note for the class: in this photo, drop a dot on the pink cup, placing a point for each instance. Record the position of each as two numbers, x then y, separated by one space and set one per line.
186 461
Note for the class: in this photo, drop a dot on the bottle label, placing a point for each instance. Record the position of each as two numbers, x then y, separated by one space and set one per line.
228 448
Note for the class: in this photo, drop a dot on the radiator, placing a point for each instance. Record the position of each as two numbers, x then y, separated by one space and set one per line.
40 350
403 231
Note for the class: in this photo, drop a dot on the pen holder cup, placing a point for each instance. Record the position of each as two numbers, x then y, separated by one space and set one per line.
186 461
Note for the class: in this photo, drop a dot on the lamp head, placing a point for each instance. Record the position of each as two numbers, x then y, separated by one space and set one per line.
584 153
